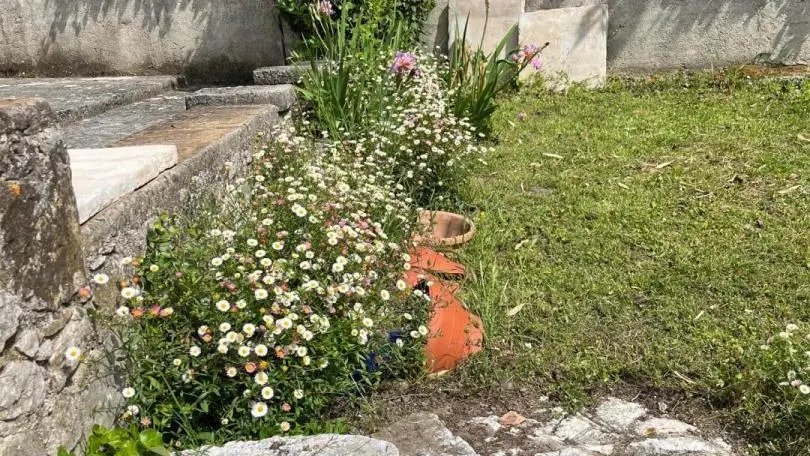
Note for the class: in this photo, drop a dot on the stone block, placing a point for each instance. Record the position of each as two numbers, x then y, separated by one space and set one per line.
282 74
578 43
10 312
102 176
317 445
619 415
664 427
22 389
436 31
39 229
536 5
282 96
676 446
424 433
489 21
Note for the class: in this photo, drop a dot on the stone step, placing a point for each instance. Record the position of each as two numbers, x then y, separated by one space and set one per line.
199 127
118 123
282 96
102 176
275 75
73 99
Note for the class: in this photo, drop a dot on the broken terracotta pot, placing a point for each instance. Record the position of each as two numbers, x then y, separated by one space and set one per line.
447 229
454 332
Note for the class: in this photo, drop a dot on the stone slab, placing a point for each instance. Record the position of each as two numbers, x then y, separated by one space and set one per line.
618 414
578 43
103 176
78 98
196 128
118 123
282 74
282 96
491 26
317 445
536 5
677 446
423 434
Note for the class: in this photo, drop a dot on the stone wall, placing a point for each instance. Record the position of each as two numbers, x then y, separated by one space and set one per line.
207 40
651 35
46 399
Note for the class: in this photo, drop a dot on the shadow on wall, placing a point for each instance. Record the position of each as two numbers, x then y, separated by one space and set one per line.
657 34
210 40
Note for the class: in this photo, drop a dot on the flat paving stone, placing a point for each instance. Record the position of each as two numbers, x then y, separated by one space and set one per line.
196 128
282 96
578 43
78 98
118 123
619 414
103 176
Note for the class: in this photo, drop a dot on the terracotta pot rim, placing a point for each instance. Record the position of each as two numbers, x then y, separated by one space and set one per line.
446 241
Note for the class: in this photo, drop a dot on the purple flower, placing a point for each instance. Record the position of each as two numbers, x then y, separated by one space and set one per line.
537 63
530 49
404 63
325 8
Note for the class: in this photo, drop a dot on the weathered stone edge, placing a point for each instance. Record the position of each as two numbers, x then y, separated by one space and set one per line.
68 115
120 229
283 96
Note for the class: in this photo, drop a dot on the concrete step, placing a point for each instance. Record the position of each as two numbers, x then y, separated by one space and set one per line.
282 96
118 123
74 99
275 75
195 129
102 176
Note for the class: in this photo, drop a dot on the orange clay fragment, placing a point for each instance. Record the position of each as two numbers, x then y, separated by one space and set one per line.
430 260
455 333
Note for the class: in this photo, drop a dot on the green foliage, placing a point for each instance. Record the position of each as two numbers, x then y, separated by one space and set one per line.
413 14
349 87
251 321
129 441
475 78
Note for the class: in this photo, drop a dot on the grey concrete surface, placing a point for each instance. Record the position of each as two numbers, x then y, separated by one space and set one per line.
488 22
651 35
208 40
661 34
282 96
281 74
78 98
577 40
115 124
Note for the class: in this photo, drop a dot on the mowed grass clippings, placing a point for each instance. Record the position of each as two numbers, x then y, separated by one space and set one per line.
645 234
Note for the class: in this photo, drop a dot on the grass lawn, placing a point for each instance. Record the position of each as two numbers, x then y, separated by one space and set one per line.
648 234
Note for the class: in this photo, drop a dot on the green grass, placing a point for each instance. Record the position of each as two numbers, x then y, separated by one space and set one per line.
653 232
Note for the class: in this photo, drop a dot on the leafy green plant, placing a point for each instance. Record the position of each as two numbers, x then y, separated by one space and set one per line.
252 320
413 13
348 87
129 441
475 78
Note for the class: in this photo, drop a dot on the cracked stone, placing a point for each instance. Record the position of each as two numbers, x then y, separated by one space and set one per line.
545 442
618 414
317 445
606 450
94 264
568 452
58 323
663 427
424 434
27 343
9 317
22 389
676 446
579 429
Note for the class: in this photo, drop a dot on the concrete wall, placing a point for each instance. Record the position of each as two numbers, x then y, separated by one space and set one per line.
659 34
205 39
650 35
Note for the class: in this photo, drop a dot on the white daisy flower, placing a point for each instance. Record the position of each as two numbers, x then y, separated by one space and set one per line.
101 279
268 393
73 353
128 393
223 306
194 351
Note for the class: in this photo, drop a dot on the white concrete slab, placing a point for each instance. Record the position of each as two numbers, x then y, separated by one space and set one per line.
503 15
578 43
103 176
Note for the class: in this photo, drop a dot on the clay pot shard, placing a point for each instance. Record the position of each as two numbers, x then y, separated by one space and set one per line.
426 259
441 228
455 333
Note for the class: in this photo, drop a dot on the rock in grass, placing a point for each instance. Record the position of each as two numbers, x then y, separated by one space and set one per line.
316 445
